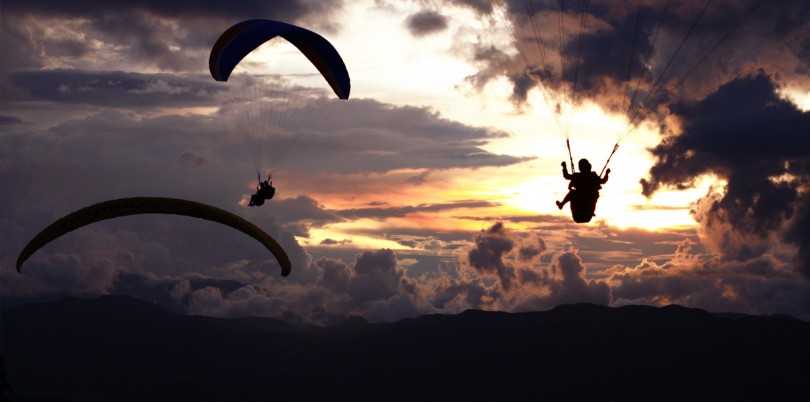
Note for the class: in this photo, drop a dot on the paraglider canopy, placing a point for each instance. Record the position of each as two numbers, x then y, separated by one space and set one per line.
151 205
241 39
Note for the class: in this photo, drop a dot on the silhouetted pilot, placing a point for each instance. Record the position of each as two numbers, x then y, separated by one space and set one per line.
583 185
264 191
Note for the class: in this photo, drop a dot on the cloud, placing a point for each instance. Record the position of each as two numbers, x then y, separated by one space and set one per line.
713 79
375 285
114 153
759 285
332 242
133 149
744 124
170 35
303 212
480 6
756 141
127 139
176 8
356 137
9 120
531 251
419 179
501 269
390 212
382 138
192 160
635 61
103 133
116 89
378 277
425 23
487 255
527 283
572 286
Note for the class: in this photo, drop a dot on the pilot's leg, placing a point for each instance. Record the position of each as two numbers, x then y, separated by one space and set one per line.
565 200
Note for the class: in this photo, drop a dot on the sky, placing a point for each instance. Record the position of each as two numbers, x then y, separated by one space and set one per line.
432 188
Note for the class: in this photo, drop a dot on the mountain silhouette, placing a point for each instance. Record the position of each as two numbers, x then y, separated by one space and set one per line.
117 348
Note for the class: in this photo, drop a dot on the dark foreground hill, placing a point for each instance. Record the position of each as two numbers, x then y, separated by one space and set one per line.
116 348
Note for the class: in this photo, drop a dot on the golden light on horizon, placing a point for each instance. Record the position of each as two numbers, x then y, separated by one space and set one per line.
347 233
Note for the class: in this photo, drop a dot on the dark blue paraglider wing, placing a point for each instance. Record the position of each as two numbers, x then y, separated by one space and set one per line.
239 40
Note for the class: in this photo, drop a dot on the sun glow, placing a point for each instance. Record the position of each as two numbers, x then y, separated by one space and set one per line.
593 134
799 97
665 209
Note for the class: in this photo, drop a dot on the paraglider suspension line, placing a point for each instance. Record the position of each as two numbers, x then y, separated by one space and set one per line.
570 156
615 147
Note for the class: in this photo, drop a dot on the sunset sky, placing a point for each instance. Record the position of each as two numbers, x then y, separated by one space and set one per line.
432 189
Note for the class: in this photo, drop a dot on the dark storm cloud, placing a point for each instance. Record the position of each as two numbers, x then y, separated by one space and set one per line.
151 32
116 89
647 56
744 125
425 23
494 62
749 135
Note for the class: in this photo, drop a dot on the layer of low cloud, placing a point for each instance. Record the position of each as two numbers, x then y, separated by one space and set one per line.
499 269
